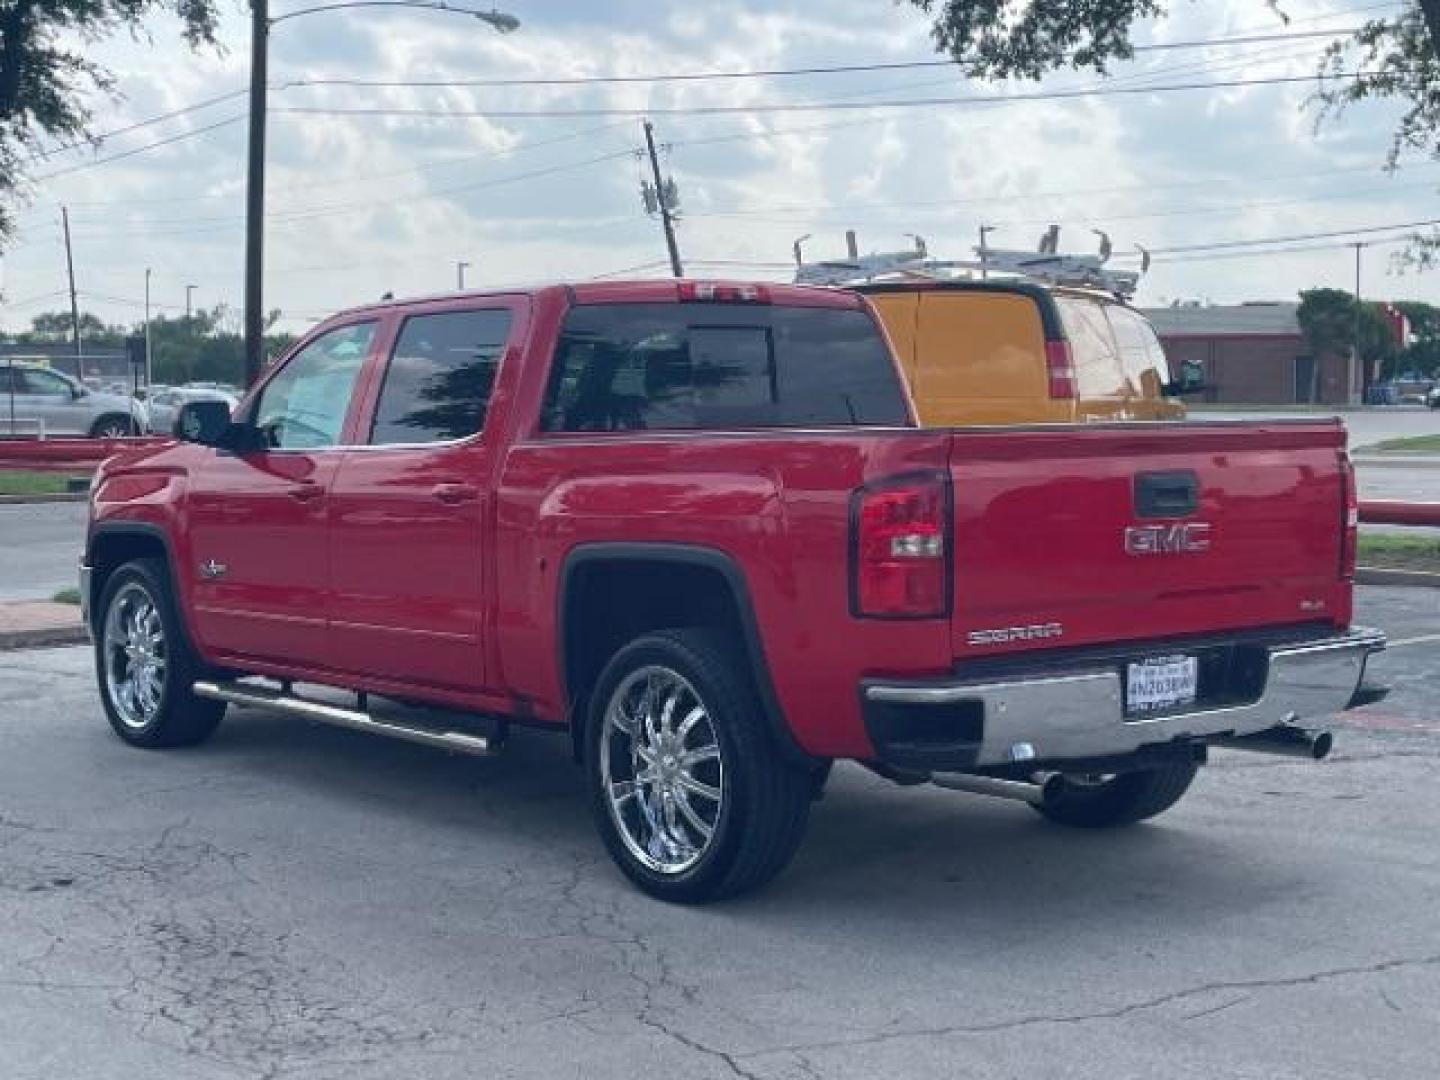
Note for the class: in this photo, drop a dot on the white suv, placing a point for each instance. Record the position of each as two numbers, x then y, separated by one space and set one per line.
36 400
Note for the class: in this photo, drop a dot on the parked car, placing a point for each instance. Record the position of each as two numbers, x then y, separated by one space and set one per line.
164 404
692 526
1016 352
35 399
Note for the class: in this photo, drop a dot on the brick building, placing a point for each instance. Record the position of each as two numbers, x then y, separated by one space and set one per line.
1253 353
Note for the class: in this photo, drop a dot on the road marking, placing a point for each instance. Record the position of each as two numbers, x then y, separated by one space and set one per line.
1423 639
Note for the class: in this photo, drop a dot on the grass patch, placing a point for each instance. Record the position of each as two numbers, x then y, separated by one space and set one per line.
1415 444
1396 551
30 482
67 596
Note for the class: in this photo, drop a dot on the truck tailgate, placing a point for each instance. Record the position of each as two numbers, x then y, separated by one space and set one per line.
1106 534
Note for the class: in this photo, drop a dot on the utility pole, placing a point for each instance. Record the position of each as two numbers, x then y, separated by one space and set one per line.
664 197
985 230
74 304
1357 364
460 268
147 329
255 192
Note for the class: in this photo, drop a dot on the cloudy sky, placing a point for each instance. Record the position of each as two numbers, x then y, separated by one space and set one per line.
369 202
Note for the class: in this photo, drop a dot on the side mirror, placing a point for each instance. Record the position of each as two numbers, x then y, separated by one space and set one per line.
203 422
78 392
1191 381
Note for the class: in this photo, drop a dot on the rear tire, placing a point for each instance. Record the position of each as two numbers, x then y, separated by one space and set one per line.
113 427
1123 799
693 799
145 664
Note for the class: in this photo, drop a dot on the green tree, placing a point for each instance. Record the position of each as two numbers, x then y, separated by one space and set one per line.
1328 321
206 347
1423 352
54 327
45 83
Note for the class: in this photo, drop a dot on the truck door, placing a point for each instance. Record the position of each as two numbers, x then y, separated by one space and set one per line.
258 520
410 502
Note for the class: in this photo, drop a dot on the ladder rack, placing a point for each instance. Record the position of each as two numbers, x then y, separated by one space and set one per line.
1044 267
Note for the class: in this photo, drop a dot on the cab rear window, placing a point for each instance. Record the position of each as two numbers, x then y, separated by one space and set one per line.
689 366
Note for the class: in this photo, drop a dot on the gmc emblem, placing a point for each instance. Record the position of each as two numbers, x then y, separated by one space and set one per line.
1186 538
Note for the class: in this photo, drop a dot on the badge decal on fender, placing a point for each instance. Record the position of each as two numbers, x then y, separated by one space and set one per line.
1002 635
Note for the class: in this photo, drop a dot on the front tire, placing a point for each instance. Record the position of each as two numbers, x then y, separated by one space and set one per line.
691 796
1123 799
145 664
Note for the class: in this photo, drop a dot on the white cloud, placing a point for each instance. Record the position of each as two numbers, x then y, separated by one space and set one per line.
362 205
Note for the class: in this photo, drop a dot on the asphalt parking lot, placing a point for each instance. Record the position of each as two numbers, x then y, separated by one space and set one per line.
297 901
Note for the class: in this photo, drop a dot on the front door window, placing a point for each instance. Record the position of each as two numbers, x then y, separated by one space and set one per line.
303 406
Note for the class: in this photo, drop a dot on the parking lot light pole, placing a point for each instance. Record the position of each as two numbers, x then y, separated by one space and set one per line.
260 26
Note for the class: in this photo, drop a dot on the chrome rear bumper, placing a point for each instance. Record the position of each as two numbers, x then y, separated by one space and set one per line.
1080 714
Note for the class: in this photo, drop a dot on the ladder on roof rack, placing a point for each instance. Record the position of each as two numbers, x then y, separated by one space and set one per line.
1046 266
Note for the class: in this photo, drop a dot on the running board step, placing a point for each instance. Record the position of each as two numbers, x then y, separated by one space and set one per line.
460 742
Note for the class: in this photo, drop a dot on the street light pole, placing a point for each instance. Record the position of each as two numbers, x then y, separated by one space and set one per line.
1357 366
260 24
189 308
147 329
460 268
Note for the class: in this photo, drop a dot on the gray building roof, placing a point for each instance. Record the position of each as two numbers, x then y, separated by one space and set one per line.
1276 319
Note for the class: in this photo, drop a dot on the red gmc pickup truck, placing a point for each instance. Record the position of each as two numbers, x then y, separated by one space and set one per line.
694 526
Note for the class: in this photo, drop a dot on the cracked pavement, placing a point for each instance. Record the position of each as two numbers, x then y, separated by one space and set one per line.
296 901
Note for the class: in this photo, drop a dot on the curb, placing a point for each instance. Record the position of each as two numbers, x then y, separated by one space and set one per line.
43 637
1375 575
1396 461
46 497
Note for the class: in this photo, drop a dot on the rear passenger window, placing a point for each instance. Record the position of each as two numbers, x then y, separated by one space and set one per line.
623 367
439 378
1140 352
1098 372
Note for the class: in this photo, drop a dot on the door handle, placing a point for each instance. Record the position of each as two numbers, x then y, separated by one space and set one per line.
306 492
451 494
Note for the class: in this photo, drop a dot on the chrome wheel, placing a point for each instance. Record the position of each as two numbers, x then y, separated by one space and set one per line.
114 429
135 654
661 769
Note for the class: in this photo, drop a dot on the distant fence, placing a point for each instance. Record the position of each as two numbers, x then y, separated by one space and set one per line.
1400 513
65 455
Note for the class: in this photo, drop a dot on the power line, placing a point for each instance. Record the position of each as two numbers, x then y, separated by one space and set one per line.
1298 249
819 106
140 149
137 125
1361 231
221 224
770 73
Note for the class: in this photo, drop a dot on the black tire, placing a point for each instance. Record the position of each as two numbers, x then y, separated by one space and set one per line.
1122 800
765 802
113 426
179 718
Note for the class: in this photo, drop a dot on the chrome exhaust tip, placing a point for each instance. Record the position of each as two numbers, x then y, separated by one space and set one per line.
1036 791
1285 740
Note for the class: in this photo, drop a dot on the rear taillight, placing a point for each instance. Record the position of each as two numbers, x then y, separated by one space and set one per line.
1350 518
723 292
1060 368
901 538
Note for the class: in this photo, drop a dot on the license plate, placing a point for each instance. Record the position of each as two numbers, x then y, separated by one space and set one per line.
1161 683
